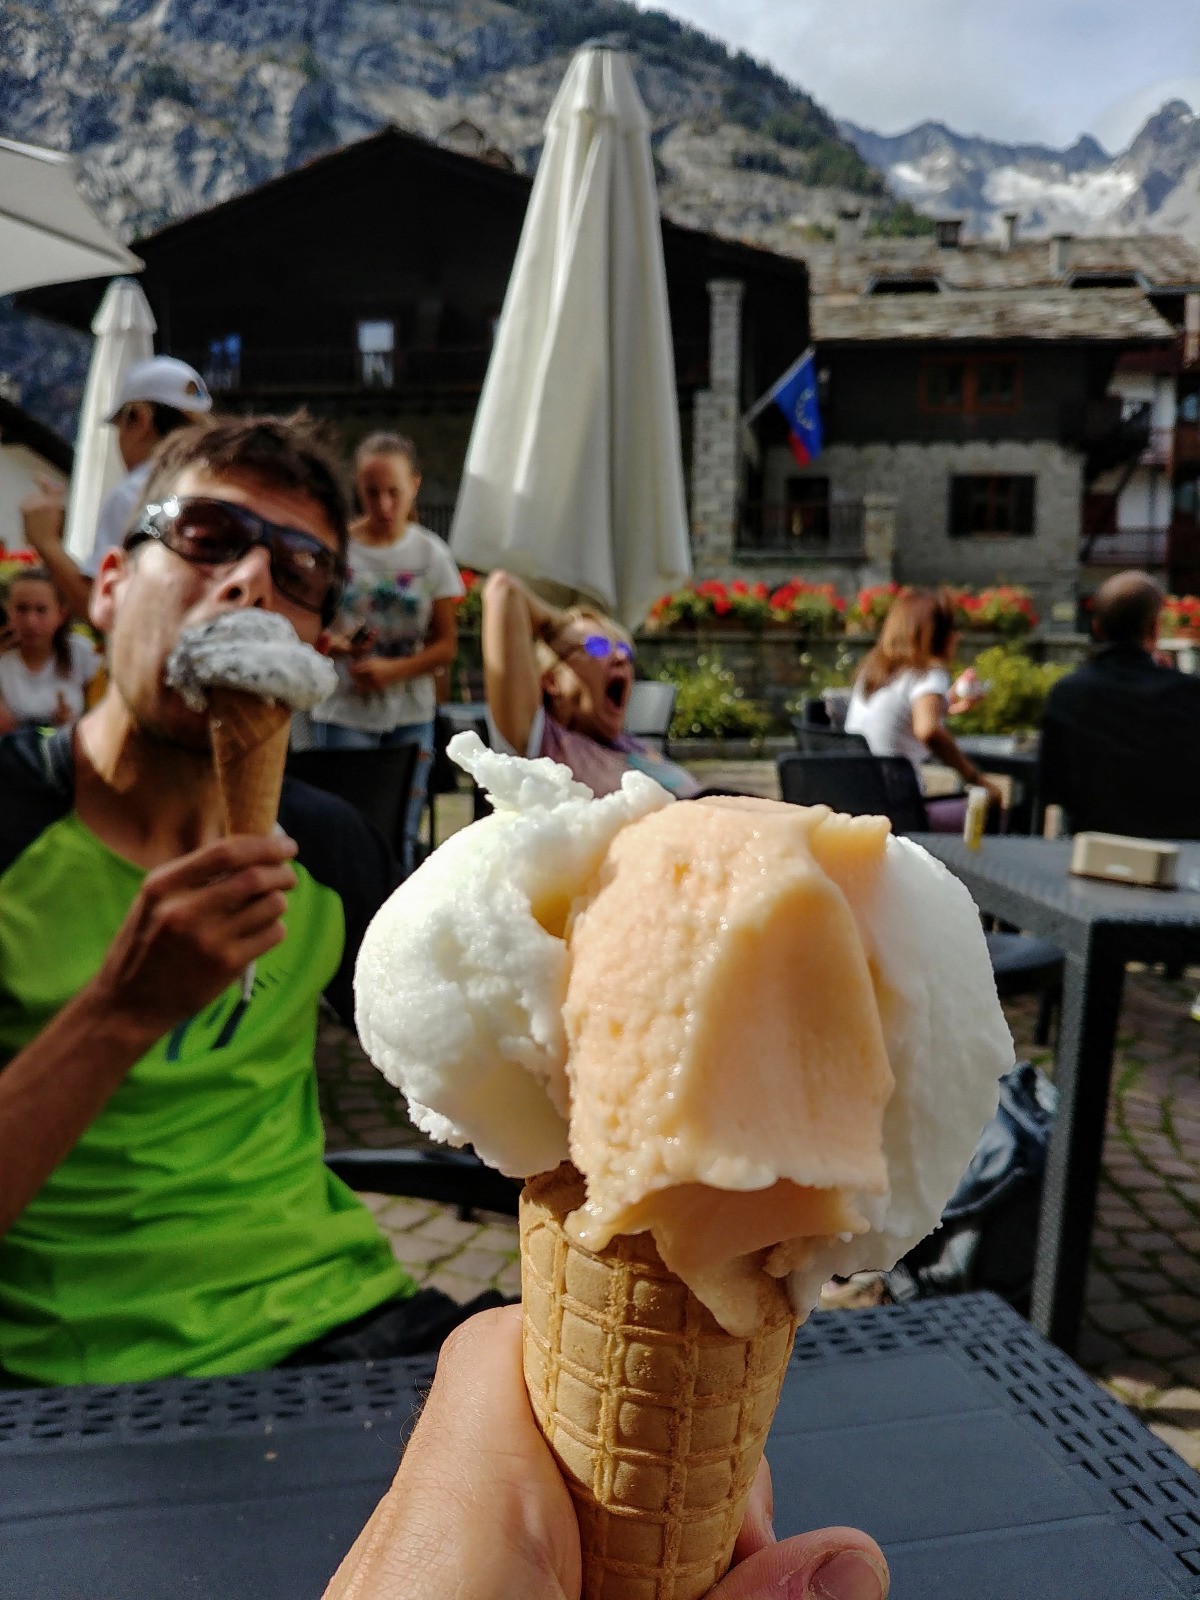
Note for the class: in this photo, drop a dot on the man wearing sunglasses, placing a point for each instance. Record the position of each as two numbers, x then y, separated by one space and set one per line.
164 1207
557 685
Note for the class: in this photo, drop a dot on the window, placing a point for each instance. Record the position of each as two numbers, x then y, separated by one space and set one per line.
223 369
1104 280
905 286
808 509
971 384
993 504
376 347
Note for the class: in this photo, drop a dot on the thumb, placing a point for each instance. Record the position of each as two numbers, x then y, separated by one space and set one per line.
831 1564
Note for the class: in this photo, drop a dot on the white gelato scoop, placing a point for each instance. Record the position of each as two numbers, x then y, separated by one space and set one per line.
253 652
768 1035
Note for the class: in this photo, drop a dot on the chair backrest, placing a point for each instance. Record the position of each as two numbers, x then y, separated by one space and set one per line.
376 782
649 710
851 783
860 785
906 803
821 741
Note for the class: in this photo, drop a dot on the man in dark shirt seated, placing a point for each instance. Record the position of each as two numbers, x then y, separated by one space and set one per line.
1121 734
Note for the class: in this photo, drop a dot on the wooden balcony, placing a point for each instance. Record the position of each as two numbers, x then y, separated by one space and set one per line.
1126 547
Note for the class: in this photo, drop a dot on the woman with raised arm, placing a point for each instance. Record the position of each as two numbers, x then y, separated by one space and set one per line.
557 685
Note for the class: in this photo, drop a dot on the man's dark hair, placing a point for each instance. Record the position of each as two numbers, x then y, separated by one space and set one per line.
166 420
1126 608
285 452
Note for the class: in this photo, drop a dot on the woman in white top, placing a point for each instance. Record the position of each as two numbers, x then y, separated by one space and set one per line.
397 623
902 690
45 675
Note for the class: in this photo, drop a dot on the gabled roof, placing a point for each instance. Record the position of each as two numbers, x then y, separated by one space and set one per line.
1116 316
75 304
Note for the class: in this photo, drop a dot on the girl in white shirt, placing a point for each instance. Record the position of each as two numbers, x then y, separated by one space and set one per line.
45 676
902 689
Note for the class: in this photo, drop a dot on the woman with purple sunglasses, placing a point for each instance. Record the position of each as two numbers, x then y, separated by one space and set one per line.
557 685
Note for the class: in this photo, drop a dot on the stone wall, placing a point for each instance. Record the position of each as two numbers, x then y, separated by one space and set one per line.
918 477
716 434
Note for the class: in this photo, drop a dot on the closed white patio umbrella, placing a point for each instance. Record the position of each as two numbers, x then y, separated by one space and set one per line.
48 232
573 473
124 329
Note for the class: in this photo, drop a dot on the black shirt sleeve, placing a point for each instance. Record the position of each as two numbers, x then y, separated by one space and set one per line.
35 788
341 850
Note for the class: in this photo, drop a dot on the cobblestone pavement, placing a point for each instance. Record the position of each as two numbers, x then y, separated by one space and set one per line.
1141 1335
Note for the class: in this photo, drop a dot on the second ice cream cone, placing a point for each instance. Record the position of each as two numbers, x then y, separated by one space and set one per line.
656 1415
249 742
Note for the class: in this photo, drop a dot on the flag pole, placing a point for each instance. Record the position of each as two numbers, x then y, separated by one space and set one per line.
763 401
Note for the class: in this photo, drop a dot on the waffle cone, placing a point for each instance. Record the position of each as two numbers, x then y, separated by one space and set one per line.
656 1416
249 744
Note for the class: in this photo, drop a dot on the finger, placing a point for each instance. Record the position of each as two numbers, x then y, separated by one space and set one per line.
831 1564
221 859
477 1492
230 895
756 1531
254 918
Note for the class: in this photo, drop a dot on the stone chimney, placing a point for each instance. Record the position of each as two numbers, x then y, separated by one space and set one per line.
716 433
1191 329
948 232
849 229
1010 221
1060 254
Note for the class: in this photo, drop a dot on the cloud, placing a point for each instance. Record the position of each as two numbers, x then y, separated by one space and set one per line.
1020 70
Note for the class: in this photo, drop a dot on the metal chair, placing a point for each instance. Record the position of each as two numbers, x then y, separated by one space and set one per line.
648 712
813 740
375 782
859 784
452 1177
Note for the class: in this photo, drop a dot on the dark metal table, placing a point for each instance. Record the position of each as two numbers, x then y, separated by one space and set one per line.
984 1461
1099 927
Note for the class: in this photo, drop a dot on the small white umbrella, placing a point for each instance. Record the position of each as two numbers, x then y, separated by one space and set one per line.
124 328
573 473
48 232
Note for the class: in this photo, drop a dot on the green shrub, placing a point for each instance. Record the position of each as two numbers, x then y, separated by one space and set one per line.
1017 696
710 705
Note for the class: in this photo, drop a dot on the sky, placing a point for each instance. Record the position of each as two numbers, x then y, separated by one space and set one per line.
1023 71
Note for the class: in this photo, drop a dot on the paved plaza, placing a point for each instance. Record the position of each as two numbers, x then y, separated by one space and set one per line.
1142 1328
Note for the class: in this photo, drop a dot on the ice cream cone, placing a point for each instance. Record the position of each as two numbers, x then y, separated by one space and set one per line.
657 1416
249 743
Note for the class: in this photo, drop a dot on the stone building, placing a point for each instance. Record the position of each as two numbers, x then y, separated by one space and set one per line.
978 385
366 285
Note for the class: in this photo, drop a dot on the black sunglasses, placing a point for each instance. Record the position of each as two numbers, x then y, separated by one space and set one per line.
215 532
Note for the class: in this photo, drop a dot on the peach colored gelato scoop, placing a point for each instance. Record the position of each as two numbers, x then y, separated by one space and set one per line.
767 1034
722 1031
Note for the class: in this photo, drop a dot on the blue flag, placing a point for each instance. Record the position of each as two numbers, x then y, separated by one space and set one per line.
796 396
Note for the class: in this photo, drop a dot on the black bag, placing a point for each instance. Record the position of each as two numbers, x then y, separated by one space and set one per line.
988 1232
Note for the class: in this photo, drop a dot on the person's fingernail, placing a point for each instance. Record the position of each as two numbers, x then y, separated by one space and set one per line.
850 1575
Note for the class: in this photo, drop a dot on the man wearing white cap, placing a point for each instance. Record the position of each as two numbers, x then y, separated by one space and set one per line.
154 398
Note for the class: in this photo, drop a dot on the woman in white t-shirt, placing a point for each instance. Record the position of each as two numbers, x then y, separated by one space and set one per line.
44 677
396 625
902 690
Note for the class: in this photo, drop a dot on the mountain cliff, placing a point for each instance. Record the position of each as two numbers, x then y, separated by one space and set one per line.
171 106
1154 185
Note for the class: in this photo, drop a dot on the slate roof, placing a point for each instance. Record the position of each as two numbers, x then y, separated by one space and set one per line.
1158 261
1097 315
